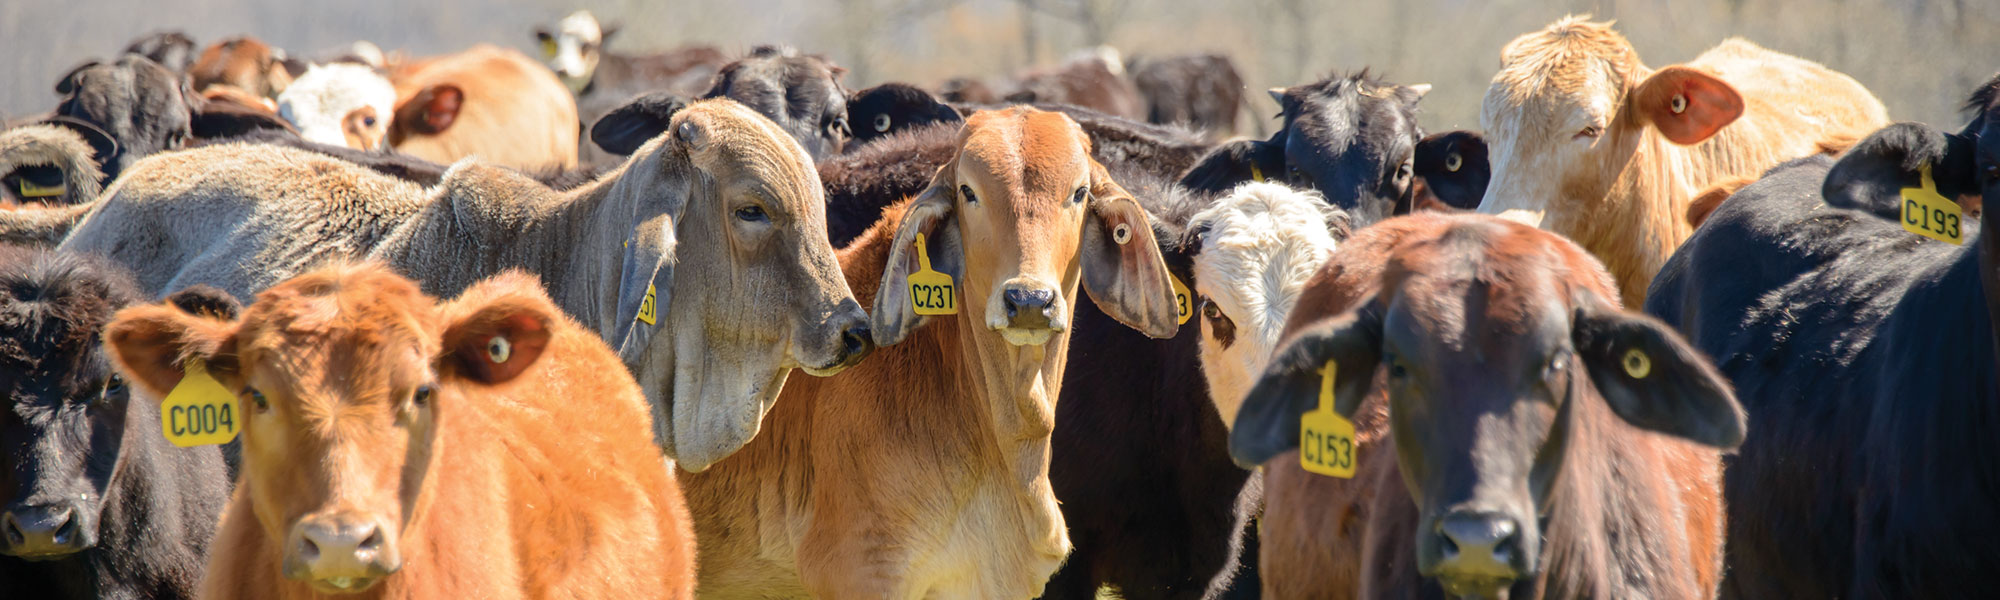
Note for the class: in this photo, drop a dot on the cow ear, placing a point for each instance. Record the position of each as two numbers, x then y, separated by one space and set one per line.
1236 162
431 111
202 300
495 341
1870 174
150 343
1686 104
605 31
894 317
1654 380
1267 424
69 81
625 129
542 35
1122 268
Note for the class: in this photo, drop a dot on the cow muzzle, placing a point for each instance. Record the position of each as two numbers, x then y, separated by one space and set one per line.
1475 554
341 553
850 339
43 532
1029 313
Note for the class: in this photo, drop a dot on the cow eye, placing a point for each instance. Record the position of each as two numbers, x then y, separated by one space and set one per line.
1993 172
1404 170
113 386
882 123
752 213
1211 311
839 124
1079 195
965 192
422 398
1295 174
1397 370
1556 366
368 121
1592 131
1453 161
256 399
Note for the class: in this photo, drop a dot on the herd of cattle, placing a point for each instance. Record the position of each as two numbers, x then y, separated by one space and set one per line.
476 326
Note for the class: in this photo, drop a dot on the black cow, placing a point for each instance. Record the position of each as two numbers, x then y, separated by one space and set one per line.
1200 91
889 108
801 92
1350 137
1866 358
145 107
173 49
1450 172
97 503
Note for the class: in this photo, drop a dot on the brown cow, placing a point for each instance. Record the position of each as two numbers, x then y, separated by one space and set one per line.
1590 143
246 63
487 101
1554 444
485 447
923 472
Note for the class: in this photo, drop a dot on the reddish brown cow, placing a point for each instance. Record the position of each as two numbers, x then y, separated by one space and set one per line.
1554 444
485 447
245 63
487 101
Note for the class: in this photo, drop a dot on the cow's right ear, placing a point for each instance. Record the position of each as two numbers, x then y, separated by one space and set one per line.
431 111
502 332
542 35
624 130
1686 104
1268 422
1236 162
151 343
68 82
894 317
1870 175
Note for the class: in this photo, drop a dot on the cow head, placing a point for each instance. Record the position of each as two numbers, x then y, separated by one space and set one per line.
1505 358
1255 249
345 376
340 104
891 107
247 63
140 105
575 47
1016 218
1451 172
172 49
800 92
1569 109
731 237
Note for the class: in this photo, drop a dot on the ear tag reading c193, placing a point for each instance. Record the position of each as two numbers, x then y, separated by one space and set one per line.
199 411
931 292
1326 439
1929 214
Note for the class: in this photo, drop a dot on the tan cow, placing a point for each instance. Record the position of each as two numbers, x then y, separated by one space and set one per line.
488 447
923 472
1588 142
487 101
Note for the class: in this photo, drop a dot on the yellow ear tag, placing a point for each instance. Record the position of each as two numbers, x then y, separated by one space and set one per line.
1183 301
199 411
646 305
1326 439
931 292
1256 174
549 47
1931 215
30 190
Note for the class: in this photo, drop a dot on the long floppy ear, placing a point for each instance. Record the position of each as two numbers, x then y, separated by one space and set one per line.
646 273
150 343
1268 422
1236 162
1654 380
893 317
495 341
625 129
1686 104
1122 268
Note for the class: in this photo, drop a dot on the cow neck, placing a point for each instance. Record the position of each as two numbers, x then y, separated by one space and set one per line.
148 501
1989 280
1597 541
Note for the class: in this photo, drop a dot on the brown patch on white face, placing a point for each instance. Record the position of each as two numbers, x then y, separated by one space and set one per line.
363 128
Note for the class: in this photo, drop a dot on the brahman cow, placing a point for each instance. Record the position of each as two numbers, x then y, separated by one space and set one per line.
94 502
1865 354
487 101
1590 143
1554 444
724 209
423 450
924 472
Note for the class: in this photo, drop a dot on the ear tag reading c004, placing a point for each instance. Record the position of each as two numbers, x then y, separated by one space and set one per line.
199 411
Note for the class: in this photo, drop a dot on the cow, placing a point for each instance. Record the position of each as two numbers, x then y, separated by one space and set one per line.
487 101
886 109
603 80
94 502
173 49
1590 143
1450 171
1093 78
340 104
656 256
924 472
247 63
46 165
1201 91
1350 137
801 92
143 108
1551 443
967 90
423 449
1864 346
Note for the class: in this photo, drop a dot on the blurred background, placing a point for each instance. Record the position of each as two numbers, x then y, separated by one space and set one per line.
1922 57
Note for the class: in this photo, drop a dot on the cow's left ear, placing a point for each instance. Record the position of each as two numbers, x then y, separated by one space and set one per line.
1654 380
625 129
1686 104
151 345
605 31
431 111
1122 268
499 338
1268 422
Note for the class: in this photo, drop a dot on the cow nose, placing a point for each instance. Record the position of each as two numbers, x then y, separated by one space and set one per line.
41 531
342 552
1028 308
856 341
1478 550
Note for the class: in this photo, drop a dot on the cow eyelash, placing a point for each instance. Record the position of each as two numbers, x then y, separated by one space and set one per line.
256 399
965 192
1590 132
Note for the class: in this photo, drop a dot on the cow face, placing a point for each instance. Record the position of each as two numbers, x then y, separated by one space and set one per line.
341 104
1256 249
574 49
1016 218
63 413
143 107
730 247
1352 139
1568 111
801 93
1500 356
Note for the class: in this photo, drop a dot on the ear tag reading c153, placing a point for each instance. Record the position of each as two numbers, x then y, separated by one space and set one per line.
931 292
1183 301
1326 439
199 411
1929 214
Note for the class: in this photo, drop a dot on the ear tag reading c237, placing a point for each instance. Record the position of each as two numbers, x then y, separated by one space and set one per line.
931 292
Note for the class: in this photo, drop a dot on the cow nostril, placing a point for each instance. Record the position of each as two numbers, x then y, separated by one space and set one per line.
855 339
373 541
14 535
65 532
308 551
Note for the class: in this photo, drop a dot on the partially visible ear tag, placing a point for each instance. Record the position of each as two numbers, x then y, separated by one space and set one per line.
549 47
1256 174
1326 439
646 305
30 190
1183 301
199 411
931 292
1931 215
